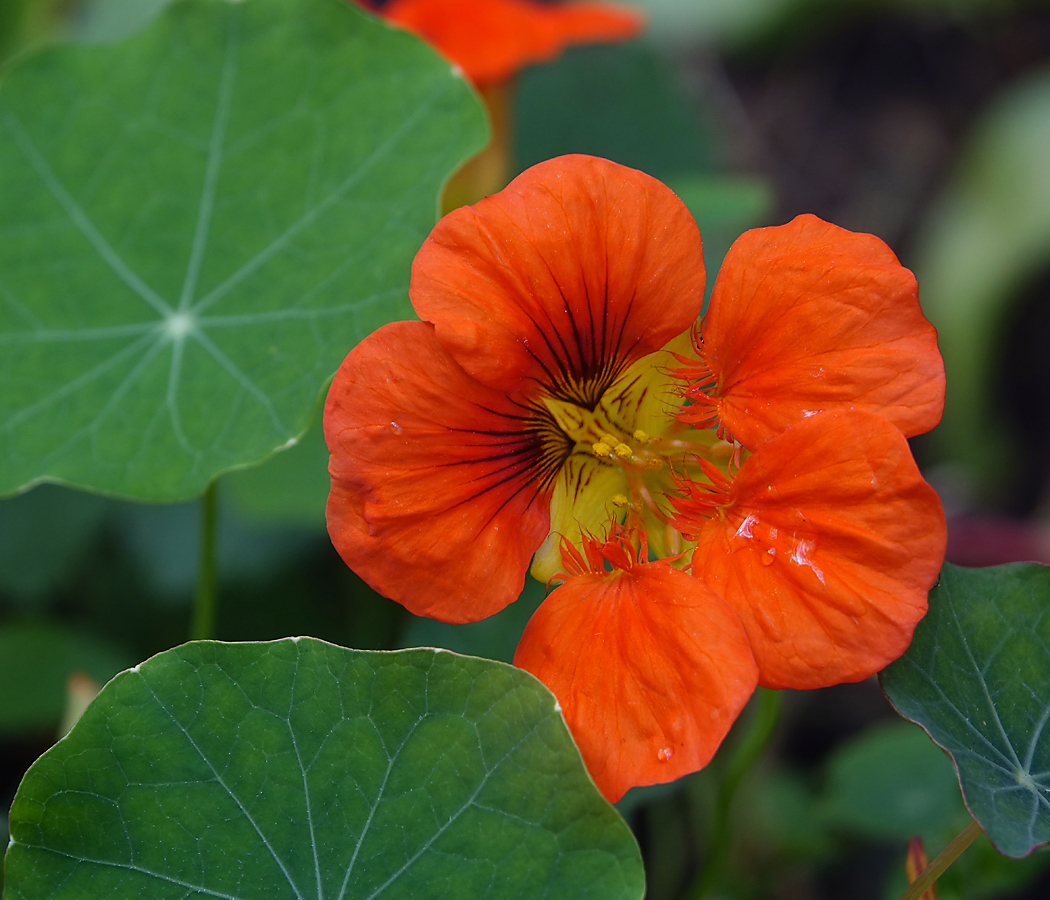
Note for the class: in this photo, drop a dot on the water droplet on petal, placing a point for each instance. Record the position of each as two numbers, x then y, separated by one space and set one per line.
664 754
769 556
397 429
744 530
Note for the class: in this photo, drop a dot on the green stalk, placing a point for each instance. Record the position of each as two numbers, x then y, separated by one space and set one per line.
745 754
203 627
944 859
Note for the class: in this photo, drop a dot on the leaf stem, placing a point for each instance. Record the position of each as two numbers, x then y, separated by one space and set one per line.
203 627
944 859
745 754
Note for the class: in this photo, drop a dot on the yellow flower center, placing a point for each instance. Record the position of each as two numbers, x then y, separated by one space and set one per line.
623 457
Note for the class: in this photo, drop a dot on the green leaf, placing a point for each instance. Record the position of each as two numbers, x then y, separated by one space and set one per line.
891 783
198 224
621 102
724 206
301 770
493 638
977 678
36 659
290 488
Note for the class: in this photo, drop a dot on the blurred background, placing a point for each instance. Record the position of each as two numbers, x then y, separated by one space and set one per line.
925 122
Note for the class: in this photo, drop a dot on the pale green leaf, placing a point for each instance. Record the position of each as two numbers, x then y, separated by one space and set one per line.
197 225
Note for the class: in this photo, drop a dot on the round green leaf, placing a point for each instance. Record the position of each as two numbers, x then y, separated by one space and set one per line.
977 678
198 224
297 769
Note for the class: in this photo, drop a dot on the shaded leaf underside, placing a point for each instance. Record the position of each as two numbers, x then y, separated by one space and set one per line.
977 678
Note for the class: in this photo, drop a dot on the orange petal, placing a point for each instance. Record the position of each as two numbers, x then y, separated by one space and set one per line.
807 317
574 271
826 545
492 39
649 666
439 495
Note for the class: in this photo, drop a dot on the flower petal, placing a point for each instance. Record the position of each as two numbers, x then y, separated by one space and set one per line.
807 317
439 495
826 546
649 666
492 39
566 277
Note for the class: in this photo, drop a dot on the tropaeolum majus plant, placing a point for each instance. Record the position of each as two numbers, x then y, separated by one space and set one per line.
561 406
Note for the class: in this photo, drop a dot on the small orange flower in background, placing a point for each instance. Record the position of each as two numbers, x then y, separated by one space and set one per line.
492 40
560 404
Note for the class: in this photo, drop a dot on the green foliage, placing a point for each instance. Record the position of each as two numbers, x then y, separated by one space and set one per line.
198 224
110 20
619 102
986 235
36 658
43 534
724 207
493 638
891 783
300 769
977 678
291 487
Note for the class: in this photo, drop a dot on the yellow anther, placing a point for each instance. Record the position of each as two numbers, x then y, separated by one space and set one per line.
601 449
611 439
654 463
620 501
641 437
623 451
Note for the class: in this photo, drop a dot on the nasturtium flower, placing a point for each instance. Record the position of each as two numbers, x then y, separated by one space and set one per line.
561 387
642 651
538 374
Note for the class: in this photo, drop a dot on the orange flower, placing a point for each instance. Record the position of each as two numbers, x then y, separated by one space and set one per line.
532 383
491 40
650 666
539 406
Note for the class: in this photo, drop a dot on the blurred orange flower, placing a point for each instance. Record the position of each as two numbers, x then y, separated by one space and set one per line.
491 40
